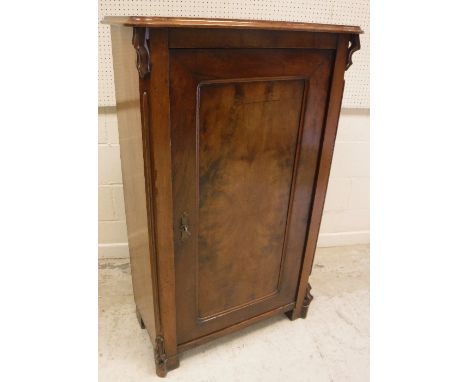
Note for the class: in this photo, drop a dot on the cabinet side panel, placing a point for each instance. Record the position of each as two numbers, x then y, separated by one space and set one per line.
133 172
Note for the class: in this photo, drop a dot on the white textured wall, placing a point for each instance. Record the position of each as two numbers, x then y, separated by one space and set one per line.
112 226
346 213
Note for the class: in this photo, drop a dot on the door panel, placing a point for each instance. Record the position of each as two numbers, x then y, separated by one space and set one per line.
246 129
247 140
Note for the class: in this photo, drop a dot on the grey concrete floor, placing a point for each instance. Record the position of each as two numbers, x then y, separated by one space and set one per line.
331 344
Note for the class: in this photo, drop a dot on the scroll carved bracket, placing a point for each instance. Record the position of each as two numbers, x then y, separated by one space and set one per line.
140 43
160 357
354 46
307 300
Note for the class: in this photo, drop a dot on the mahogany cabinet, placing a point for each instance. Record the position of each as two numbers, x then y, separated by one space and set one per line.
227 130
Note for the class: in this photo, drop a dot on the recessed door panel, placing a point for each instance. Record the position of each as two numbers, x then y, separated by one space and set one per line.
247 141
245 131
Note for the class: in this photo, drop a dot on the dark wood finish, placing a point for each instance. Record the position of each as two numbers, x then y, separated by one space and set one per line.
190 22
140 43
305 305
355 45
139 228
247 141
241 173
227 137
158 86
328 144
235 328
243 38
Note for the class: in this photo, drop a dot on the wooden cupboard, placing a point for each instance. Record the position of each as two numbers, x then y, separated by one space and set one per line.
227 130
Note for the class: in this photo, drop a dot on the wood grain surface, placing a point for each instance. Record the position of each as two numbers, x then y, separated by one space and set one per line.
246 133
178 22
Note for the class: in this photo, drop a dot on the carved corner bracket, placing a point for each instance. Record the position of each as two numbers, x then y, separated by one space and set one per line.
140 43
307 300
160 357
354 46
302 313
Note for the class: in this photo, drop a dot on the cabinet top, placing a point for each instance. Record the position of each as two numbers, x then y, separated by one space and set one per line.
188 22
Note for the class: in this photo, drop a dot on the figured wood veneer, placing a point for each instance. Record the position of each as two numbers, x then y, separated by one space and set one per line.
245 176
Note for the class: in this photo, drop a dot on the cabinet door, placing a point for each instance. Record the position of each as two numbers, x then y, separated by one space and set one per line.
246 131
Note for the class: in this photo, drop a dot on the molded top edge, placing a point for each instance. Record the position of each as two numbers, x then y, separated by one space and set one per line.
189 22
